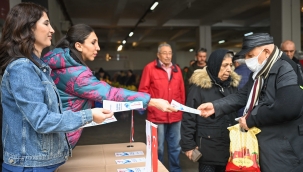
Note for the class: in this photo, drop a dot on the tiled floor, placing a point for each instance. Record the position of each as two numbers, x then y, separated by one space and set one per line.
119 132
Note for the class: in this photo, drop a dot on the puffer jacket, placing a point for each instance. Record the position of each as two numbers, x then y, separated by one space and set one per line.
79 88
209 134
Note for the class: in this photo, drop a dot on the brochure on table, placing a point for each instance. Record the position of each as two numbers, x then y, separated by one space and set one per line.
138 169
134 153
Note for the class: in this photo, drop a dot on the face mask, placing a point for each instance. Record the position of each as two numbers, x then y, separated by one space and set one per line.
252 63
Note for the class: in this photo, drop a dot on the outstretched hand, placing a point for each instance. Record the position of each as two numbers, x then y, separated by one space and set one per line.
162 105
207 109
100 114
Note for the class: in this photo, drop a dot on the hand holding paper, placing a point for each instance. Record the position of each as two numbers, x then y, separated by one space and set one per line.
162 105
184 108
100 114
109 107
206 109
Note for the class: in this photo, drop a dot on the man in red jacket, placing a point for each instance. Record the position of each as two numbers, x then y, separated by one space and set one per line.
163 79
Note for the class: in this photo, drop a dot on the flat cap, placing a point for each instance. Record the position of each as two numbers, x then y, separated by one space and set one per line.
255 40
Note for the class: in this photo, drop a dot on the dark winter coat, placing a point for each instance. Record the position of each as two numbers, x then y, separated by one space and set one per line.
278 115
244 72
209 134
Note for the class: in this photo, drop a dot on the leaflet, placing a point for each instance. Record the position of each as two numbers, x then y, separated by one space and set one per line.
184 108
137 169
107 120
134 153
130 161
237 119
122 106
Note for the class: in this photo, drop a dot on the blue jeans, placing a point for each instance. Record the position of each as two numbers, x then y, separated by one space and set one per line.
170 133
10 168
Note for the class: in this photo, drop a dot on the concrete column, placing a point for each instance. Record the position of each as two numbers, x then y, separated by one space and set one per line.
285 21
12 3
173 47
204 38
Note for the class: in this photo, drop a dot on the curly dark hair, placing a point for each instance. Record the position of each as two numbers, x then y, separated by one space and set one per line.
17 34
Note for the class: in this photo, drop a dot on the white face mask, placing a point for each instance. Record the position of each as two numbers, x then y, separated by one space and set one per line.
252 63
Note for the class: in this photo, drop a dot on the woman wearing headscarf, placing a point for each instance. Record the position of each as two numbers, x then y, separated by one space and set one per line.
210 135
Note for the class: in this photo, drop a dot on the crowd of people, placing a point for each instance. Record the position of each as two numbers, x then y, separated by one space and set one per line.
121 77
45 107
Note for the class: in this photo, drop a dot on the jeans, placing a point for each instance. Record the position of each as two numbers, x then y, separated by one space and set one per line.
10 168
170 133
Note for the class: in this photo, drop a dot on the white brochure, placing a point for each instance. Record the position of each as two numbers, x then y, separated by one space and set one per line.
130 161
184 108
136 169
108 120
134 153
122 106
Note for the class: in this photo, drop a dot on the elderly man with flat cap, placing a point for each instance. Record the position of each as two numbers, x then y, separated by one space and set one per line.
273 102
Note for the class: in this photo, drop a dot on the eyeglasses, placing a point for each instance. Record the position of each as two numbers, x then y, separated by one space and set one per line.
166 53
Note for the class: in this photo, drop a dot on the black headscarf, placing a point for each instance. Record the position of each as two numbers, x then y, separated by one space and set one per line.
214 65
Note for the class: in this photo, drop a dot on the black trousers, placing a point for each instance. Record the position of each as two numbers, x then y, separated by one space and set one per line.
211 168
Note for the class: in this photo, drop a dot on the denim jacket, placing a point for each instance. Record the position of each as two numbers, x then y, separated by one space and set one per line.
34 125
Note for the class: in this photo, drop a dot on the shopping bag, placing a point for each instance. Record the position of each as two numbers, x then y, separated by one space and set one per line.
244 150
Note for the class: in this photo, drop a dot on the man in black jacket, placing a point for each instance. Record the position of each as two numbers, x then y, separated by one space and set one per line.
273 102
289 48
200 63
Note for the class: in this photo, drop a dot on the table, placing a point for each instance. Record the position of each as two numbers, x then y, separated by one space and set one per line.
93 158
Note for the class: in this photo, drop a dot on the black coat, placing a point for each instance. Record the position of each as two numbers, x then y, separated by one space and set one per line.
190 72
209 134
278 115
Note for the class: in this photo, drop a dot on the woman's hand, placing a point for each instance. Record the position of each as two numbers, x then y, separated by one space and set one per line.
100 114
162 105
206 109
189 153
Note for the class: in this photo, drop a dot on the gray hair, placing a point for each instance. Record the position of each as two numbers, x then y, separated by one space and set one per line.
163 45
240 61
228 55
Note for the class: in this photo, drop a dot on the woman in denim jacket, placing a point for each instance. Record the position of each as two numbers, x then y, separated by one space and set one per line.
77 85
33 121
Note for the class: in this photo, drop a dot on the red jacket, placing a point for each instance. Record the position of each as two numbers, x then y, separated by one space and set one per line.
154 81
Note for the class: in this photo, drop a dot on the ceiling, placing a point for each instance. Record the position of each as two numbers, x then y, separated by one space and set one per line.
171 21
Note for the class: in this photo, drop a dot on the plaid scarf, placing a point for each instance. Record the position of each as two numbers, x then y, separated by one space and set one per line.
259 76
